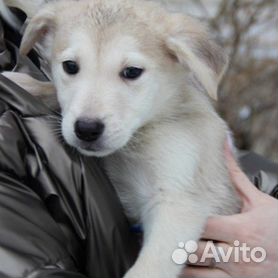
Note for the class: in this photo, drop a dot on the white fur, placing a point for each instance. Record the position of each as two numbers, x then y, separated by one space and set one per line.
163 142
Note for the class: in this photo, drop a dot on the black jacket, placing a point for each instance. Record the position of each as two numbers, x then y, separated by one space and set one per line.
59 214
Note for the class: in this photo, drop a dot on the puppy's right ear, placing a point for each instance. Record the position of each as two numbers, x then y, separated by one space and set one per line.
40 27
189 41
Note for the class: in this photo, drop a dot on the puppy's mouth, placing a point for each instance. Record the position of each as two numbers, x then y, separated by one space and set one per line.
87 146
96 149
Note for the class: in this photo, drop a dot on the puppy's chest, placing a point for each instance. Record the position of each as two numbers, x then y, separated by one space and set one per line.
134 180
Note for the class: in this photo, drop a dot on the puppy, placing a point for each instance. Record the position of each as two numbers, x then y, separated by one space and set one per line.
135 85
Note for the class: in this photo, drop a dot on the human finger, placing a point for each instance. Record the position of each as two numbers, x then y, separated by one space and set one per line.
241 182
204 272
210 254
223 228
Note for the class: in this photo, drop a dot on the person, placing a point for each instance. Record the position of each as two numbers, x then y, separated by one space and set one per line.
59 214
256 225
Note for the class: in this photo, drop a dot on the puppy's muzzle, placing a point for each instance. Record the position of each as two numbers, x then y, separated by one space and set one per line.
89 130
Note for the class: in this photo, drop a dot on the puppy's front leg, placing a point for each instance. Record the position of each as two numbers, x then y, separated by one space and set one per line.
31 85
172 220
45 91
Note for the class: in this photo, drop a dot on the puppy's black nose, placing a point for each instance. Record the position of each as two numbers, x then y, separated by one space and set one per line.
88 130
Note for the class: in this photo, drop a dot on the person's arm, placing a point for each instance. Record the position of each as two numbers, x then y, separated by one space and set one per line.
256 226
31 242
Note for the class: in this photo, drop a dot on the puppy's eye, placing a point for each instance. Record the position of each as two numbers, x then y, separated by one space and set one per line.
131 73
70 67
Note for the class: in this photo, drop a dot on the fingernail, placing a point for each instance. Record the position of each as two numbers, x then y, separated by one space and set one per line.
230 146
230 141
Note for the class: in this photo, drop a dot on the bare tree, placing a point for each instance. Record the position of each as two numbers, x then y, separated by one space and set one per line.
249 90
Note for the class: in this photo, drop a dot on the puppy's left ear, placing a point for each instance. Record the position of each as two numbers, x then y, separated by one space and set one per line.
189 41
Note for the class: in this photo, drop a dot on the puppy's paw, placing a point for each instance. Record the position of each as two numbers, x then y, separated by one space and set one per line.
16 77
29 84
134 273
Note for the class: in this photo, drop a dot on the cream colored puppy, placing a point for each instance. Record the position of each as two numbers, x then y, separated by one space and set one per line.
135 85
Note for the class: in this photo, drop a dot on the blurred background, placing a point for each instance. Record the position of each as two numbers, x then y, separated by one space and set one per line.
248 94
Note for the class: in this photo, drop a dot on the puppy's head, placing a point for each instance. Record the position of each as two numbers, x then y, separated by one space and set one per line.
118 65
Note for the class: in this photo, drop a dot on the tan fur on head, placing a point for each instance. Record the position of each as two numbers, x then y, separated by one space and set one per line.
185 37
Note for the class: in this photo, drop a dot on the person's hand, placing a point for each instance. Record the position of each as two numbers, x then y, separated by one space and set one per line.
256 226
